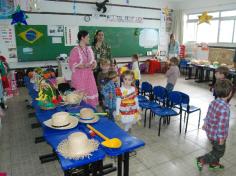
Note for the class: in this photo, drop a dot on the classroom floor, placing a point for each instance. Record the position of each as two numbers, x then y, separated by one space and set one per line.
171 154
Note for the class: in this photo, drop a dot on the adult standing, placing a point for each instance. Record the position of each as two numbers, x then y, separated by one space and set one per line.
82 63
173 47
100 48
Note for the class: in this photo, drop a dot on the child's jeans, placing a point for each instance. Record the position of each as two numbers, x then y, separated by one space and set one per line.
214 156
169 87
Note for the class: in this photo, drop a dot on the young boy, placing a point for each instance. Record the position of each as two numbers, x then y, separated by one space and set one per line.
216 125
102 77
172 74
109 93
220 73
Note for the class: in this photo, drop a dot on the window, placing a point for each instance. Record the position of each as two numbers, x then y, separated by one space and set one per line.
191 31
234 41
208 32
193 17
222 28
226 31
228 13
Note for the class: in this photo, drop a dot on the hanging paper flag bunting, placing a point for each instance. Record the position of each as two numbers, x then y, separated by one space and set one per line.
204 18
19 16
30 35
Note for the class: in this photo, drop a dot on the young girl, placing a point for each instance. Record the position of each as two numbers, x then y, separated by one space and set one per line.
127 107
135 69
109 93
172 74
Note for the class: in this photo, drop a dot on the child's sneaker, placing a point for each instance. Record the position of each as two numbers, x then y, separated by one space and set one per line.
216 166
199 164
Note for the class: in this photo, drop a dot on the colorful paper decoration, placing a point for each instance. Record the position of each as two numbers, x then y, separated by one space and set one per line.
166 11
30 35
102 6
204 18
19 16
6 8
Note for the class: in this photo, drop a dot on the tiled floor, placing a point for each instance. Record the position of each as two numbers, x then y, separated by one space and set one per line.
171 154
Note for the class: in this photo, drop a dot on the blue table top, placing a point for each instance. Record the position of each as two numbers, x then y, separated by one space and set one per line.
112 130
104 125
67 164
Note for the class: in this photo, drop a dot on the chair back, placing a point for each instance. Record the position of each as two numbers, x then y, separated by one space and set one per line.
160 94
183 63
146 87
175 98
185 98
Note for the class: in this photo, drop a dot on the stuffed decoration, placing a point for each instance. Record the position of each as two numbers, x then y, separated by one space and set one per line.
47 96
102 6
204 18
166 11
19 16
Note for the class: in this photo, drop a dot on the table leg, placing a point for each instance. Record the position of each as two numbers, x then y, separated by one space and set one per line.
119 171
48 157
35 125
189 70
31 114
126 164
39 139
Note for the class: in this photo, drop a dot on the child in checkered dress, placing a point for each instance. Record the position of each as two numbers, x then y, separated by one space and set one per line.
216 125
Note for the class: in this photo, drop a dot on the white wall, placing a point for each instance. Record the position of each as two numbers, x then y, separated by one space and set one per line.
67 7
194 6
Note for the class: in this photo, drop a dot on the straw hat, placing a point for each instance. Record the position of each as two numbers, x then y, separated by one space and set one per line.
74 97
62 121
60 80
77 146
87 116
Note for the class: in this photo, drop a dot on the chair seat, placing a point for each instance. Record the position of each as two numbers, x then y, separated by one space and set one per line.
164 112
142 98
191 108
148 105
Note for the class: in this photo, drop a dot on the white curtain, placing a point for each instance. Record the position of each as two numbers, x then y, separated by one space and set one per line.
178 25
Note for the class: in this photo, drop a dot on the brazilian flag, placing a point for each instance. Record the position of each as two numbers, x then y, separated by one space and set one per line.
30 35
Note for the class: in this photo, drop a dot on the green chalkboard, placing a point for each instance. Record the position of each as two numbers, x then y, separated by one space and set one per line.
123 41
42 49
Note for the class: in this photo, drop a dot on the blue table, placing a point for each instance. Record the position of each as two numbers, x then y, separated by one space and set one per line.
104 125
68 164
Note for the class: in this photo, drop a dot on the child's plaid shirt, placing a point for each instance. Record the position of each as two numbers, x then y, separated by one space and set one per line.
216 122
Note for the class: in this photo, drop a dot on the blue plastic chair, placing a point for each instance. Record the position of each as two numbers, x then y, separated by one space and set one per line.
160 95
188 109
174 98
146 91
183 65
148 105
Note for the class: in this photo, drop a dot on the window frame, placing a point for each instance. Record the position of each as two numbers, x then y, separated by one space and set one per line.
219 24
